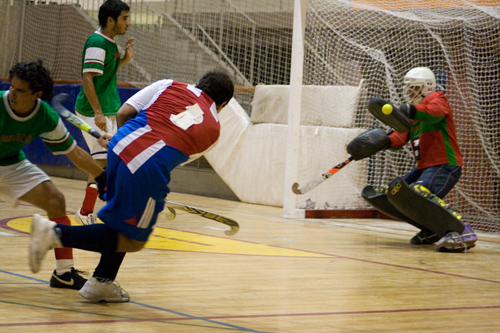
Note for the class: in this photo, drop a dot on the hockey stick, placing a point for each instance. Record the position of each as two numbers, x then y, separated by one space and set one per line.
318 180
71 117
203 213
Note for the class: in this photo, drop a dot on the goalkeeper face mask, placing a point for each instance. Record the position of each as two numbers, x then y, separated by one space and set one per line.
418 83
413 94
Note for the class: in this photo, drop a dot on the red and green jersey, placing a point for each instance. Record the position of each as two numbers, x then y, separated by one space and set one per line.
100 55
16 132
433 134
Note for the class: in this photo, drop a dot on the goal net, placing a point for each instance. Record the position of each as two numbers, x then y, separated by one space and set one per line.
378 41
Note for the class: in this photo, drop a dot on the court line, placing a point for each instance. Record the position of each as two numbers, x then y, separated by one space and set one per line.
376 229
355 312
353 258
122 319
213 319
420 269
334 224
190 317
363 260
24 277
166 320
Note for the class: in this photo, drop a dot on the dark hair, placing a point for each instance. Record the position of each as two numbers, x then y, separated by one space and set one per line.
37 76
218 85
113 9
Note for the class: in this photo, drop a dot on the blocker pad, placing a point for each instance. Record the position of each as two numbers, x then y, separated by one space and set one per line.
396 119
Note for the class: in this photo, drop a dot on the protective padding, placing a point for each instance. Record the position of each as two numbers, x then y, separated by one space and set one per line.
396 119
321 105
368 143
379 201
250 159
423 207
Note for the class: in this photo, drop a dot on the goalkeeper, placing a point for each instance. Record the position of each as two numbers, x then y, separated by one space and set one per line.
432 135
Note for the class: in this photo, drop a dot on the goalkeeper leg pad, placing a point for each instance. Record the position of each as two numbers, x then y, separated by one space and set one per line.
378 200
426 209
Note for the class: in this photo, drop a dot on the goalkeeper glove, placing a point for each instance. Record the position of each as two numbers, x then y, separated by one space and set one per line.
408 110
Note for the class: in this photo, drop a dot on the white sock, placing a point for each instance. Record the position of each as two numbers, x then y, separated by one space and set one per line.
63 266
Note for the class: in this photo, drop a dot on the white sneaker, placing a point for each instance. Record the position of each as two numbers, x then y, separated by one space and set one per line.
96 291
85 220
43 238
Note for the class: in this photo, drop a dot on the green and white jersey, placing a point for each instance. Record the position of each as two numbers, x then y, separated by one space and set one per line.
16 132
100 56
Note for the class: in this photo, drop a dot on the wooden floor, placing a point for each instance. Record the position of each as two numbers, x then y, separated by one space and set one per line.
275 275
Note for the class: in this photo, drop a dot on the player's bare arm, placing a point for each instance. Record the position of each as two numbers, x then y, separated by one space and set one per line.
125 113
89 89
83 161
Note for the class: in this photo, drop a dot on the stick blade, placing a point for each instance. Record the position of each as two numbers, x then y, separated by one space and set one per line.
170 214
70 117
60 98
57 102
232 231
309 186
206 214
295 188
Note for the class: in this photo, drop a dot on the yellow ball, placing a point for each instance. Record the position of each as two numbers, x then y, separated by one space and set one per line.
387 109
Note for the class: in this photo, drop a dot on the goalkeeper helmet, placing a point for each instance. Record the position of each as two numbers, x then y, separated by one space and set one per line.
418 83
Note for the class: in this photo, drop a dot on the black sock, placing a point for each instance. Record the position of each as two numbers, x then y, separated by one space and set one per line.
93 237
108 266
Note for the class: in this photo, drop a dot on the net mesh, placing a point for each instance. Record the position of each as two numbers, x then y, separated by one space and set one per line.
347 42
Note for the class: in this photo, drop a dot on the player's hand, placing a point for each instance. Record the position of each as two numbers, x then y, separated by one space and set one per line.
129 51
100 121
103 141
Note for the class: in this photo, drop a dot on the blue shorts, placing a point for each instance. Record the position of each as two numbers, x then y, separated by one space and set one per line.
438 179
135 200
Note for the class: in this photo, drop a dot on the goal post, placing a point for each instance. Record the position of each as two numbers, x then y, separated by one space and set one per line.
294 109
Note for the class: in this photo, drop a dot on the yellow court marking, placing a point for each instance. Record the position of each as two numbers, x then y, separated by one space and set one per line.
176 240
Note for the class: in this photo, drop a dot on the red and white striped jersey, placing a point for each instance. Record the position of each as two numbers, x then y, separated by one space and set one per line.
169 113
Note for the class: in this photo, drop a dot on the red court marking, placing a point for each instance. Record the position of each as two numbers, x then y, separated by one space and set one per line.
256 316
421 269
351 312
182 240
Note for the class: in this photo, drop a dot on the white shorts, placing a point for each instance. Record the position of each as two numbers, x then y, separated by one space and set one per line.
96 150
18 179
